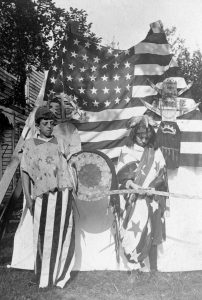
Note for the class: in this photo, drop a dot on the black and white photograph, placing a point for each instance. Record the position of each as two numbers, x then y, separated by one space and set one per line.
100 150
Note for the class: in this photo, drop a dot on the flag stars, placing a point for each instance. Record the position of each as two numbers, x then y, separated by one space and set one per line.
126 52
87 45
53 80
93 90
117 89
71 66
128 87
107 103
117 100
74 54
98 47
116 65
127 99
154 205
127 65
104 78
128 76
92 78
110 50
104 66
85 103
76 42
96 59
81 90
105 90
82 69
116 77
95 103
69 78
93 68
80 79
64 50
54 68
85 57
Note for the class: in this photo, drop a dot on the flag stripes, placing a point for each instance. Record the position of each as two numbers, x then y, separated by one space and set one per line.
54 249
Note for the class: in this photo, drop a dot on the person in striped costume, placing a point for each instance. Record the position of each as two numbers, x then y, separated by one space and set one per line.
44 167
141 165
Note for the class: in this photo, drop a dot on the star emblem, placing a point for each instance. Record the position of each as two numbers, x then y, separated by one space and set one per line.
74 54
96 59
87 44
93 90
81 90
104 78
116 77
154 205
76 42
127 65
135 228
95 103
105 90
117 100
107 103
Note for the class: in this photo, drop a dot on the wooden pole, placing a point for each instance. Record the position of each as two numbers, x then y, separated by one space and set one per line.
142 191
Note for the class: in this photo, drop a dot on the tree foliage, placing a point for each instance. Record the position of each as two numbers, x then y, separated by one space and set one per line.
28 29
189 63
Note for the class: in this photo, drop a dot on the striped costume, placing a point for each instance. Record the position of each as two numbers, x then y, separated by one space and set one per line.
53 223
143 223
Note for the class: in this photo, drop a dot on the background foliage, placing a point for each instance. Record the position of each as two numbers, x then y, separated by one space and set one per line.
28 29
190 63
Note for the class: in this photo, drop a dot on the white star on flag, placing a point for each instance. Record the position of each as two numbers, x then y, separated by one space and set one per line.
81 90
74 54
104 78
94 91
106 91
154 205
76 42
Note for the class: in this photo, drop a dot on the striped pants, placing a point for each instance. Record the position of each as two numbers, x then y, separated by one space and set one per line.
54 238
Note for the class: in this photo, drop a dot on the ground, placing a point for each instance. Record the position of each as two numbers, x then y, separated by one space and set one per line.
98 285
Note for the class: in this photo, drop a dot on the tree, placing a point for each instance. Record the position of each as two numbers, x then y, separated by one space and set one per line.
27 30
190 64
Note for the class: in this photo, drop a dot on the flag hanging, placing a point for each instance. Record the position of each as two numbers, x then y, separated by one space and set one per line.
108 83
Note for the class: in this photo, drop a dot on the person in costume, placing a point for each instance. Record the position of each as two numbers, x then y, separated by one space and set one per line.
44 167
141 165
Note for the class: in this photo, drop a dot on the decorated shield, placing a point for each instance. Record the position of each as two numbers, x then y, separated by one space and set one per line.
96 174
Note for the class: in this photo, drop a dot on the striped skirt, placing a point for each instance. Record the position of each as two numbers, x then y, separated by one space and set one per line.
54 238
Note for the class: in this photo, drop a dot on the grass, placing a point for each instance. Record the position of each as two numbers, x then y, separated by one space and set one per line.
99 285
104 285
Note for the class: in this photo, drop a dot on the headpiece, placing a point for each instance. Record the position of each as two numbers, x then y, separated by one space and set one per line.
44 113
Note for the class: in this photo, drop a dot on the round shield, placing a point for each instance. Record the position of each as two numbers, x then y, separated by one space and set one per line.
96 174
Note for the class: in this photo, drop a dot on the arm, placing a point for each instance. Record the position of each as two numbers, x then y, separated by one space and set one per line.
26 189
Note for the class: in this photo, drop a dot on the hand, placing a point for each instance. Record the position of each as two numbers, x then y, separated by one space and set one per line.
132 185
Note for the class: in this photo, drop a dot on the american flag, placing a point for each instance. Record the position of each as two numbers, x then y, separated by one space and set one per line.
108 84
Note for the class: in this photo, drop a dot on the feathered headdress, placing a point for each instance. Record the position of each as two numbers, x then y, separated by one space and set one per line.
145 120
